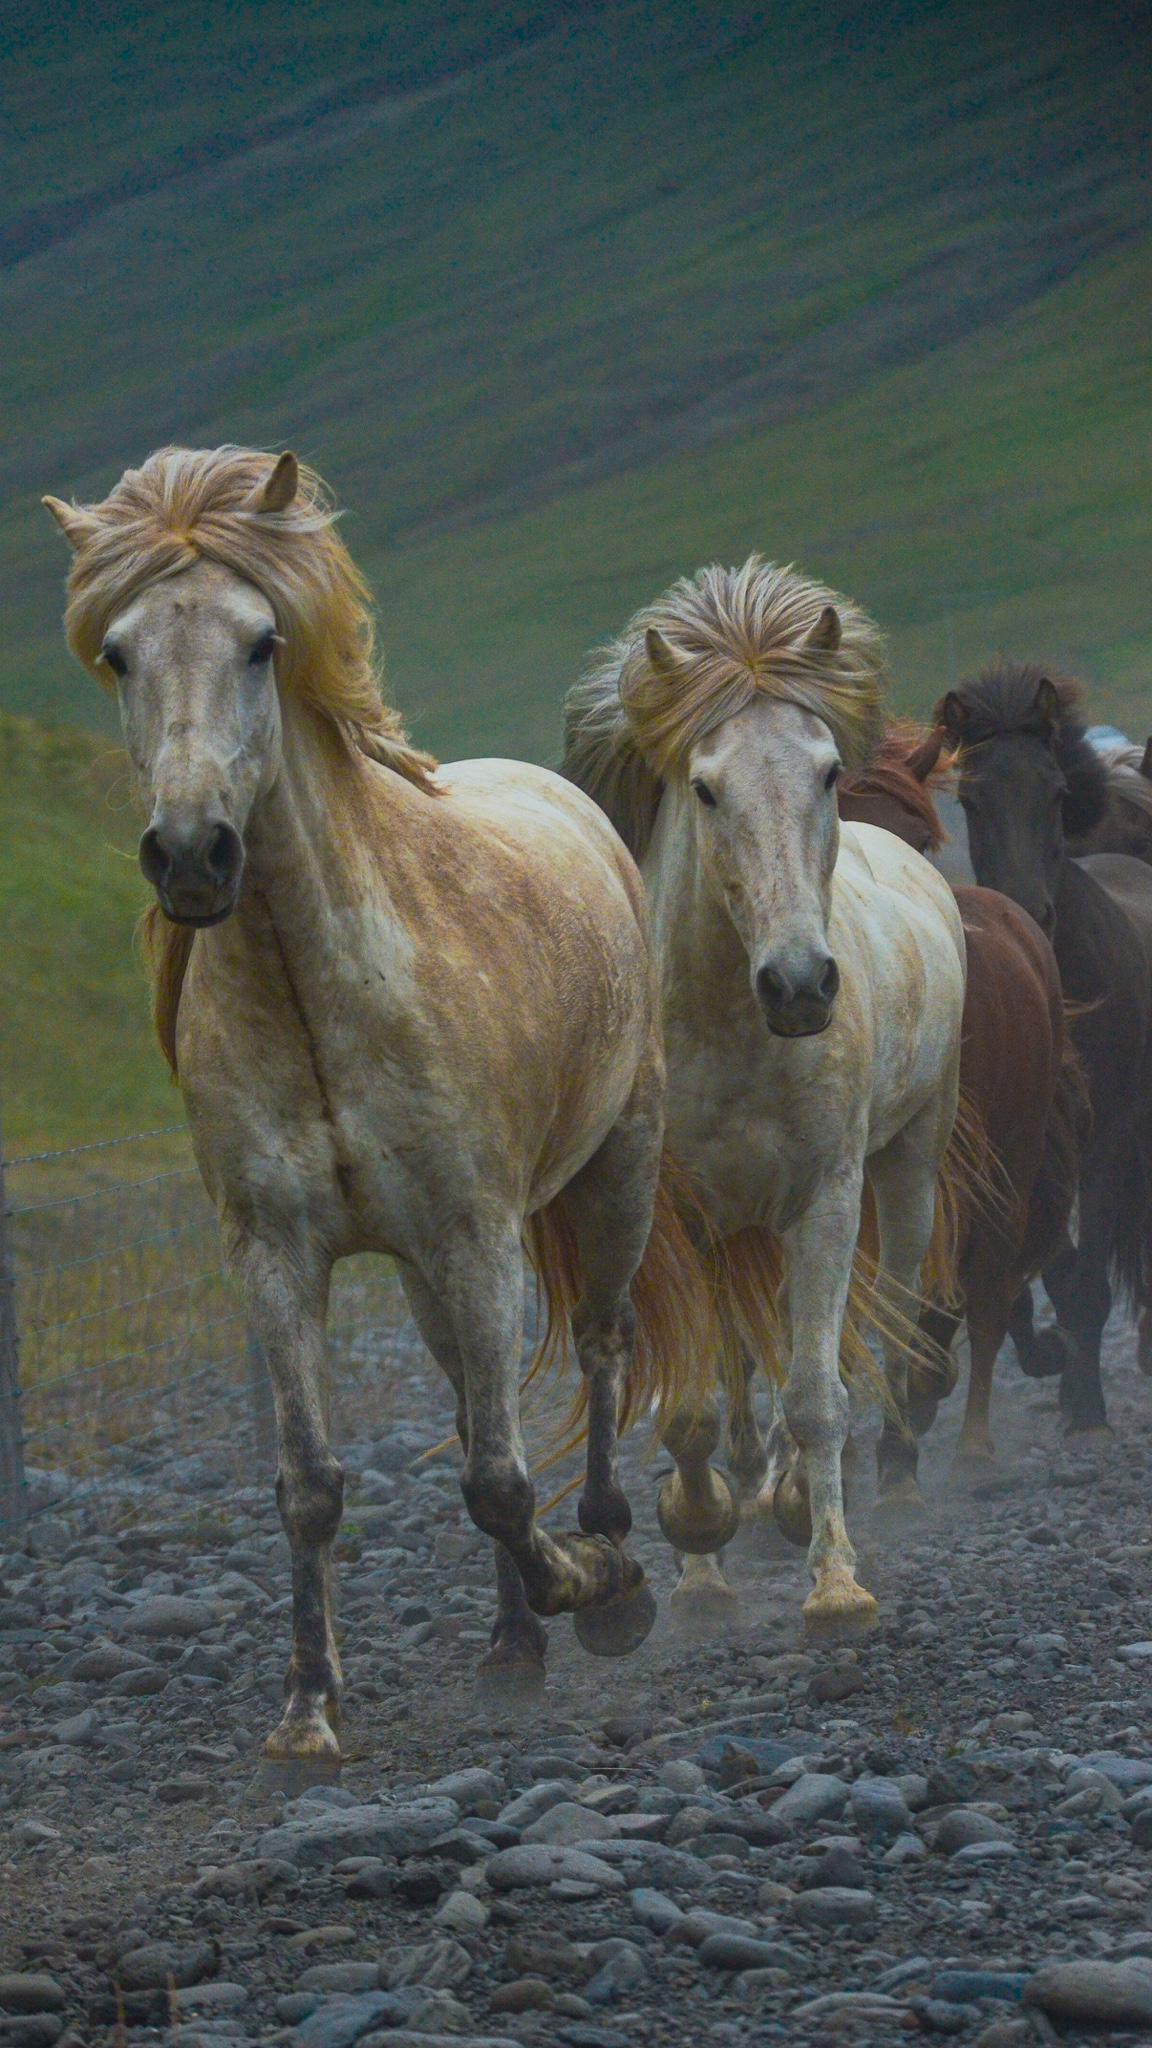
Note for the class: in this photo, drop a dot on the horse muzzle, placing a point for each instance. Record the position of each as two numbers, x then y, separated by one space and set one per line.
798 998
194 869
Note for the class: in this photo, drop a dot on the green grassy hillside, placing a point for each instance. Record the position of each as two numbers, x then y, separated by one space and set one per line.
564 300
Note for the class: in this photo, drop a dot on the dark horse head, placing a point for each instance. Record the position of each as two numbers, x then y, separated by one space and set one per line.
1028 777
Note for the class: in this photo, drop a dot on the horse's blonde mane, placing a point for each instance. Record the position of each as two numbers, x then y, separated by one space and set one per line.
186 505
632 720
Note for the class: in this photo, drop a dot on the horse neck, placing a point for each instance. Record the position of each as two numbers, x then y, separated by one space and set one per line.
307 840
704 965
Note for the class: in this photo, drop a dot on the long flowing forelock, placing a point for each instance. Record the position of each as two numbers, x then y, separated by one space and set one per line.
630 726
186 505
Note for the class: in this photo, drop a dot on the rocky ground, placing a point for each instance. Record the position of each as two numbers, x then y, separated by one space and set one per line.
734 1835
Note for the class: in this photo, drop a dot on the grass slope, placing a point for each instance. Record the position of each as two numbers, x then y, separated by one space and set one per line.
77 1061
564 300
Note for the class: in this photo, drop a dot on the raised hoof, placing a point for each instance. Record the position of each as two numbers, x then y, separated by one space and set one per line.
697 1531
792 1510
305 1737
1052 1352
614 1628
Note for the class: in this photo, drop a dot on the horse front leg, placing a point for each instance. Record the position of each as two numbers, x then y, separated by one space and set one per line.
287 1302
819 1249
519 1642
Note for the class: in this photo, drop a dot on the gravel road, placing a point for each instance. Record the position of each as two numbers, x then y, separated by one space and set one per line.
735 1835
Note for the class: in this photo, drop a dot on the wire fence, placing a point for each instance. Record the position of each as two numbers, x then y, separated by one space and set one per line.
123 1342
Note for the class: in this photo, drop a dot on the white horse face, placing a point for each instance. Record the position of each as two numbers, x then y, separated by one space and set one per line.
764 798
193 661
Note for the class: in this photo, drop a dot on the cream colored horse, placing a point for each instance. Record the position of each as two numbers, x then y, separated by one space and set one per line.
813 980
408 1008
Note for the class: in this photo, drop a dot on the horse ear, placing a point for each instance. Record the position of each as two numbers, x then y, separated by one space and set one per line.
1046 702
279 488
1146 763
950 714
826 633
75 524
660 654
923 759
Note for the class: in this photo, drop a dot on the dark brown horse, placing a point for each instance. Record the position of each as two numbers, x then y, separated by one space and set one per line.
1017 1073
1029 783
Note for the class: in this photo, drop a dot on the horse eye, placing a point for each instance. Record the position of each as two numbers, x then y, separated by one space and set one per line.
263 651
833 776
115 660
705 795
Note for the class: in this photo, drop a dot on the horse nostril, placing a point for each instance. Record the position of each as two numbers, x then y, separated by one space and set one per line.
155 861
223 855
828 986
771 988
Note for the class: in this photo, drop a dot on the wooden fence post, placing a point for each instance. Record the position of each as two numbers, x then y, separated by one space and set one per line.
263 1413
13 1492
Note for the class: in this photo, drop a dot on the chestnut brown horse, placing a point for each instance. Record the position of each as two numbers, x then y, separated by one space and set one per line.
1017 1071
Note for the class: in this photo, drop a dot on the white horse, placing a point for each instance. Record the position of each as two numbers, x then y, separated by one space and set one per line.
813 981
411 1011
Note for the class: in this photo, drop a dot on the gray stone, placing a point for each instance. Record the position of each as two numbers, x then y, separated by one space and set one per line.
654 1910
168 1614
438 1964
31 2030
80 1731
963 1826
30 1991
108 1660
545 1954
814 1796
340 2021
538 1863
1049 1644
151 1967
340 1977
1128 1772
879 1809
834 1906
218 1996
695 1928
469 1789
985 1852
461 1913
744 1952
1094 1994
567 1823
330 1836
682 1776
528 1806
906 1849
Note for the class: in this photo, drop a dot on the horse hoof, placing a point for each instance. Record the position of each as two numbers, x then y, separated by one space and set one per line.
305 1738
700 1533
837 1607
705 1600
1052 1352
1085 1434
511 1664
900 1496
974 1461
793 1512
614 1628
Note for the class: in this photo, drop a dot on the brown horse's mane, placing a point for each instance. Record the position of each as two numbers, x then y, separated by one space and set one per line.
1002 700
186 505
890 774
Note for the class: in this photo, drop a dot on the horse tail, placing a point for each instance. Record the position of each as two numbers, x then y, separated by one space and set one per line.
679 1331
167 949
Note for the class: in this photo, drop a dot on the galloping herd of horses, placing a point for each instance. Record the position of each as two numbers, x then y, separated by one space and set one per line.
694 1022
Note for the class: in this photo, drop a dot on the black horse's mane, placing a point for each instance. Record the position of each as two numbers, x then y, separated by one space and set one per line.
1002 699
